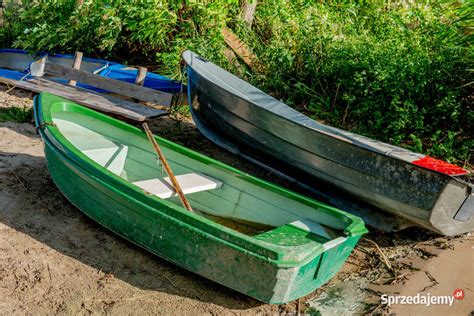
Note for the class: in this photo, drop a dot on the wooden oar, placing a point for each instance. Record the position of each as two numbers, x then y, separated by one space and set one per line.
162 158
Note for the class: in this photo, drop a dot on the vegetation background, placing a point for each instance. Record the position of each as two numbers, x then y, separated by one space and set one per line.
396 71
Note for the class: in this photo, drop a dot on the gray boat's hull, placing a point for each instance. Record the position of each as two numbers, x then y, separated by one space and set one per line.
248 122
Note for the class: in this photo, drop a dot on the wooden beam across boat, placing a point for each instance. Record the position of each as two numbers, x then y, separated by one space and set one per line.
101 102
123 88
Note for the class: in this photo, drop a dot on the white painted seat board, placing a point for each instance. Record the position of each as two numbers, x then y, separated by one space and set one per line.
190 183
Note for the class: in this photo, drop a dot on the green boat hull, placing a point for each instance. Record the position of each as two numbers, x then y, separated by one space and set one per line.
252 265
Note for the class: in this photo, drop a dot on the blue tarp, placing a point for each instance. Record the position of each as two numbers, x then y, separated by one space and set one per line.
152 80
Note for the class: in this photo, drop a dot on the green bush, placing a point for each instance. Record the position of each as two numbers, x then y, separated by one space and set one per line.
135 31
397 72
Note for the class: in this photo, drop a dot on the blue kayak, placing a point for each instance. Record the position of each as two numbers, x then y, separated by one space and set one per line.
15 63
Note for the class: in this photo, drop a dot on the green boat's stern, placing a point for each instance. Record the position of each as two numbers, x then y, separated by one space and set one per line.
307 261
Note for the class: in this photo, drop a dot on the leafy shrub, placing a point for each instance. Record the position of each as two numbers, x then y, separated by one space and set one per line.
138 32
387 71
398 72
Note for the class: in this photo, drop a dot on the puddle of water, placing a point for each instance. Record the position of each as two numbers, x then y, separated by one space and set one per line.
344 298
244 227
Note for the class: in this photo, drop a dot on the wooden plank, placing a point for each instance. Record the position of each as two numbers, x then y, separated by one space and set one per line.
233 59
141 75
100 102
190 183
140 79
116 86
76 64
238 47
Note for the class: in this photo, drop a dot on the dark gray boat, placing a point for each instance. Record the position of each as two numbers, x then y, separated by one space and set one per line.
348 169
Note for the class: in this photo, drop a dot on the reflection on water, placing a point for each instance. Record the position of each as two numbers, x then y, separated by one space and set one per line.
244 227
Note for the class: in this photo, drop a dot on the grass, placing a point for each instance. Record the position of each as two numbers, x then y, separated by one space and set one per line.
16 114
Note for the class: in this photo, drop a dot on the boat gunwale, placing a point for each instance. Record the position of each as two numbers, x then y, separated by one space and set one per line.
266 250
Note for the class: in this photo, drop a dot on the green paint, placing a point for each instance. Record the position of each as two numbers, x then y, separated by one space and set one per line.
288 235
93 159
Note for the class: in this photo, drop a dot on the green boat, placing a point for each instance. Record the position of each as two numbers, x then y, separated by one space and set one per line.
247 234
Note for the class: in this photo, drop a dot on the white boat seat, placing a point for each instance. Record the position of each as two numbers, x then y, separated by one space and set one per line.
190 183
112 158
318 229
94 145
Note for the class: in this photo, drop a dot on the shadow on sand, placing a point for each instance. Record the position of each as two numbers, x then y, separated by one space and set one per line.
45 215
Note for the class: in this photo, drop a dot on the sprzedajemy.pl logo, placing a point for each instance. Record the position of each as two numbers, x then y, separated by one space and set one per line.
419 299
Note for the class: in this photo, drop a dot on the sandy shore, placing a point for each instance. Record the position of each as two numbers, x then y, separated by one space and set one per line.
53 259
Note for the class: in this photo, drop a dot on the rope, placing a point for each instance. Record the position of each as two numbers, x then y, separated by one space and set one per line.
26 75
42 126
21 79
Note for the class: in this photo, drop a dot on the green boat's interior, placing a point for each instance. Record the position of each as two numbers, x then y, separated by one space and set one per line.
217 193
